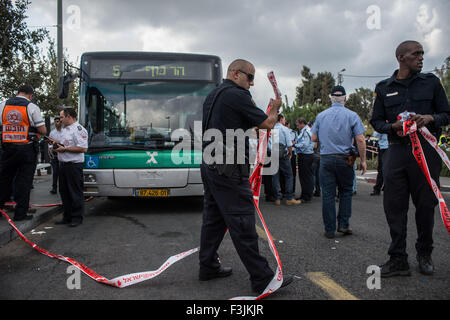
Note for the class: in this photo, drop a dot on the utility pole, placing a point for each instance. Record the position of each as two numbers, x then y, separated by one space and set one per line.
340 80
59 52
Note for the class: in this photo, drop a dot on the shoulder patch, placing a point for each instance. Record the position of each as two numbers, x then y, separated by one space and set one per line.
80 128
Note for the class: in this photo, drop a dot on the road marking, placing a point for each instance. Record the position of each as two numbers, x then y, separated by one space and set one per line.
335 291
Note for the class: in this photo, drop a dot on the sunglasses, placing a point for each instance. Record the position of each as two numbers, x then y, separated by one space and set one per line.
250 76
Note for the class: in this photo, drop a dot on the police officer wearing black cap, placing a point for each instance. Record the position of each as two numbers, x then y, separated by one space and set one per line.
21 122
409 90
228 199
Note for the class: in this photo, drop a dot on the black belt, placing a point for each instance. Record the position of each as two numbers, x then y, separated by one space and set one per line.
337 155
69 163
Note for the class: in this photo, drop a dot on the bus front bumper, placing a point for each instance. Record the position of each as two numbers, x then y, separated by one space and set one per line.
184 182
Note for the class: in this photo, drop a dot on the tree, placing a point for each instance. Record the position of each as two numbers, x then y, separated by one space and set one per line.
49 101
444 75
314 89
21 60
19 49
361 102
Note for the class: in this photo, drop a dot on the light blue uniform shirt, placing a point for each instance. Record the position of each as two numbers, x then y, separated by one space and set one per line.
284 135
293 138
335 128
383 141
304 144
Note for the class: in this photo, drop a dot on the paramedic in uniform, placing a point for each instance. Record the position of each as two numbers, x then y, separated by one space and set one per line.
228 199
21 122
422 93
71 151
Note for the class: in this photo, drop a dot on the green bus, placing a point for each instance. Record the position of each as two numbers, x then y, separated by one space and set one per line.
131 103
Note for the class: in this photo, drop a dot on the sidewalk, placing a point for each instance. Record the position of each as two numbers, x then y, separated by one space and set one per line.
41 195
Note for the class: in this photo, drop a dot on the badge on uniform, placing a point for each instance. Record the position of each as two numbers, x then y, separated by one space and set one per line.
392 94
80 128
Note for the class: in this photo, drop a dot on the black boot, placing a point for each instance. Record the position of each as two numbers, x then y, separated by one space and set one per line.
425 265
395 267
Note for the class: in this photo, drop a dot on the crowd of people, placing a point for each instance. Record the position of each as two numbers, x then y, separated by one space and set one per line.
334 140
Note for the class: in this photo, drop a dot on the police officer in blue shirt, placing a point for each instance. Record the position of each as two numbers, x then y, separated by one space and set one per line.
283 142
335 128
228 199
422 93
304 147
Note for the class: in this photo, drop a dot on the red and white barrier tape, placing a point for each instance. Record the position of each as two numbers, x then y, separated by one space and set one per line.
119 282
133 278
410 128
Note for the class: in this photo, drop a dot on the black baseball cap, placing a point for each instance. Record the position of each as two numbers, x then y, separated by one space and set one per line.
338 91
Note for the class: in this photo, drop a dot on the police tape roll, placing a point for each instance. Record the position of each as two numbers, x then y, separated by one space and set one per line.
134 278
410 128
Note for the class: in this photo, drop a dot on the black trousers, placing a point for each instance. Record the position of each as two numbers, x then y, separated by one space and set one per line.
71 190
55 172
19 162
379 183
402 178
306 175
315 168
228 204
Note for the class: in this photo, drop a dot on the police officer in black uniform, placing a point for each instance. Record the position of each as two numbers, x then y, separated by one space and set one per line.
228 199
410 90
21 122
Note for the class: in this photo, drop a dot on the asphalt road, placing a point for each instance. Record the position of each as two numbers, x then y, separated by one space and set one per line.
121 236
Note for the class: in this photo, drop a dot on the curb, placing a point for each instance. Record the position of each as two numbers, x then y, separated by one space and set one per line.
444 188
10 234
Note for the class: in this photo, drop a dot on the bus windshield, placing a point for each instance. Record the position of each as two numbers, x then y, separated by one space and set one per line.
135 115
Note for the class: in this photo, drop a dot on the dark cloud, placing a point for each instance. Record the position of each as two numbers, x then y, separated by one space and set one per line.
278 35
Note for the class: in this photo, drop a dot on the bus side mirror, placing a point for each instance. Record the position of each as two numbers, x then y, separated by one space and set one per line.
63 90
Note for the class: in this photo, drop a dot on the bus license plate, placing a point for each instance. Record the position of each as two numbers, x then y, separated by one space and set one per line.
152 193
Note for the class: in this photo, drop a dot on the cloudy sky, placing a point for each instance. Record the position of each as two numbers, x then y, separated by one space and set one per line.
279 35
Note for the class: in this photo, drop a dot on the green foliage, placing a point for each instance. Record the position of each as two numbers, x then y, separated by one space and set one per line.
444 75
20 56
361 102
22 62
314 88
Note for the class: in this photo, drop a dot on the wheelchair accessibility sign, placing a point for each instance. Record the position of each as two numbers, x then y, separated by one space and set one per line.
91 162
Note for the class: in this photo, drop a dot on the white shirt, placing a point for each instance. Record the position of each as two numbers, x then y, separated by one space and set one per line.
73 136
34 113
55 134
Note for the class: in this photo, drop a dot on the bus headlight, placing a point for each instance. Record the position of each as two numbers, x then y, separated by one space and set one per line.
90 178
